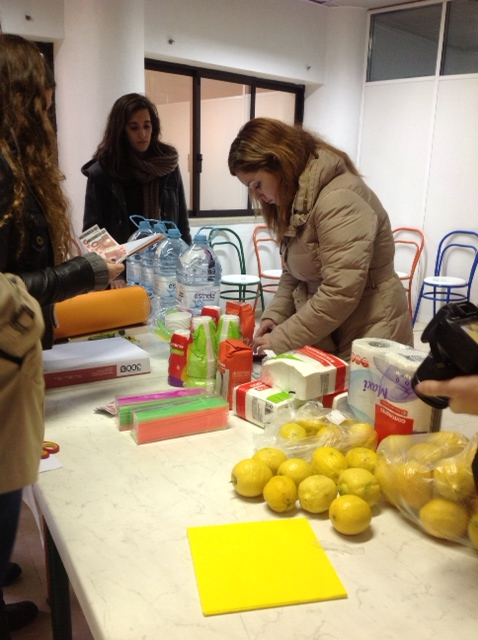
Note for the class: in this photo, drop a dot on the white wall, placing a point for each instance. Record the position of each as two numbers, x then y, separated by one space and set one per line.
100 46
419 152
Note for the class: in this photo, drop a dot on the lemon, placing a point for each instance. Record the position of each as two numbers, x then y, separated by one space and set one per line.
413 484
316 493
362 458
249 477
363 434
272 456
444 518
426 453
280 493
473 530
385 474
295 468
361 483
292 431
448 439
330 435
453 480
312 427
350 515
328 461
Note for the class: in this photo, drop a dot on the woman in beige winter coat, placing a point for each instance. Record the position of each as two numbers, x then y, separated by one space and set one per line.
338 281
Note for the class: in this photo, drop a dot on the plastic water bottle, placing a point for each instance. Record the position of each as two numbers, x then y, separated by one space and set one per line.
198 276
146 279
133 263
165 260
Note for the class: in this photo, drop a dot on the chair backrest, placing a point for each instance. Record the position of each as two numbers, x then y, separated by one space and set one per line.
263 241
412 239
464 240
227 238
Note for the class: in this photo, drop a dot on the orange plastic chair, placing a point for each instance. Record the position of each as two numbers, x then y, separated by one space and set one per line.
412 241
265 245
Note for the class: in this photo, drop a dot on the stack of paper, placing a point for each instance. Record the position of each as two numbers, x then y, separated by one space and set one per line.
89 361
203 413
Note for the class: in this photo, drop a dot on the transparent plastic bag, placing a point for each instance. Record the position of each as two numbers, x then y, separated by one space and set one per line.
298 431
429 479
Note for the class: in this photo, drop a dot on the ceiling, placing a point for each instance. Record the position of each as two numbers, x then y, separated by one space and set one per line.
363 4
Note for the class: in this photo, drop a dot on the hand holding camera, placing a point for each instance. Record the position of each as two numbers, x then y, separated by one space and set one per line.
451 368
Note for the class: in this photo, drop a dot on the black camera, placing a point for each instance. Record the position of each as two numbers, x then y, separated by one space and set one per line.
453 338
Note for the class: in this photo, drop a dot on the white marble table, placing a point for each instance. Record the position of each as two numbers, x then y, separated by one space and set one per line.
118 515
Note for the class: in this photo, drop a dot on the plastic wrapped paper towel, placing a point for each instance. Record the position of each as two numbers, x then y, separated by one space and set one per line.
308 373
380 388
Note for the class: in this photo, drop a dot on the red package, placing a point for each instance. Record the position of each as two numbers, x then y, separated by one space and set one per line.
245 311
234 367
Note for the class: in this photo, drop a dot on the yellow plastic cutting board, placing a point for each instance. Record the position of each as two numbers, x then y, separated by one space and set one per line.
254 565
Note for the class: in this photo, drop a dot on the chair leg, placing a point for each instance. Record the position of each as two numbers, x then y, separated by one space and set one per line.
415 315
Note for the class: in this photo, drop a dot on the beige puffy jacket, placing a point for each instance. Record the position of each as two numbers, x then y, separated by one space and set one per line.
339 282
21 385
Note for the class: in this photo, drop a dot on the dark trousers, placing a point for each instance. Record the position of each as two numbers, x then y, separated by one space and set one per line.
10 505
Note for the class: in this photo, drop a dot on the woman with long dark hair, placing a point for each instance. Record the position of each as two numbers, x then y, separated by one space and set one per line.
134 173
35 243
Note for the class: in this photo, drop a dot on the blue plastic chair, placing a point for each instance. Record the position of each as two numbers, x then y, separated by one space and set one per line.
442 287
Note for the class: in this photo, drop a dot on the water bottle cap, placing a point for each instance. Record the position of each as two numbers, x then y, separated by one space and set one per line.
200 238
174 233
144 224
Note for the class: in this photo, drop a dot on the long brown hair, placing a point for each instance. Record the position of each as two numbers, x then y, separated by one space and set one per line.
28 141
113 152
282 149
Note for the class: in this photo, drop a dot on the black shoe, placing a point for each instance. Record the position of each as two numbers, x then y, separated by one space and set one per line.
13 572
19 614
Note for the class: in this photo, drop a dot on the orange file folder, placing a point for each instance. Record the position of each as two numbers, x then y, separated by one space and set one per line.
101 310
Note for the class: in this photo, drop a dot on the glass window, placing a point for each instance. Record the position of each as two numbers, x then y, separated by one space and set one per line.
201 112
460 49
173 97
404 44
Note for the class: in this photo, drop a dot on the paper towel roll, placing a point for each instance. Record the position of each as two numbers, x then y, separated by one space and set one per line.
380 387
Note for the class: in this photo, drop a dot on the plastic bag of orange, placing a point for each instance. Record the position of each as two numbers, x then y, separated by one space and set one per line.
101 311
245 312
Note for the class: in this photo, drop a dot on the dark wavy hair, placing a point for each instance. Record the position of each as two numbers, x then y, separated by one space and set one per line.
113 151
28 142
281 149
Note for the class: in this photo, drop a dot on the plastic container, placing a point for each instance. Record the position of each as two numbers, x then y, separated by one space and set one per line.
198 277
147 256
133 263
165 261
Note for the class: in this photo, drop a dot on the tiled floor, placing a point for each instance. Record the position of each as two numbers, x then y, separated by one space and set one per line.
29 554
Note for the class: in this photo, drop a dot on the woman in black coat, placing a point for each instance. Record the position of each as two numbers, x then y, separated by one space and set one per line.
134 173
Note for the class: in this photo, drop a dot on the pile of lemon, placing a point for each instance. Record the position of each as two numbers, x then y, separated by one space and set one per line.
342 484
431 481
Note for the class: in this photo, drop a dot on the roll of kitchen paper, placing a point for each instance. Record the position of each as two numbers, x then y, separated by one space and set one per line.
380 388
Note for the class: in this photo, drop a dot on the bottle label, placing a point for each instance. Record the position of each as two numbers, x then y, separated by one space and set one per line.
195 297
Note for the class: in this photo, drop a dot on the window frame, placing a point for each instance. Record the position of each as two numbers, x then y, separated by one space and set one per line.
199 73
